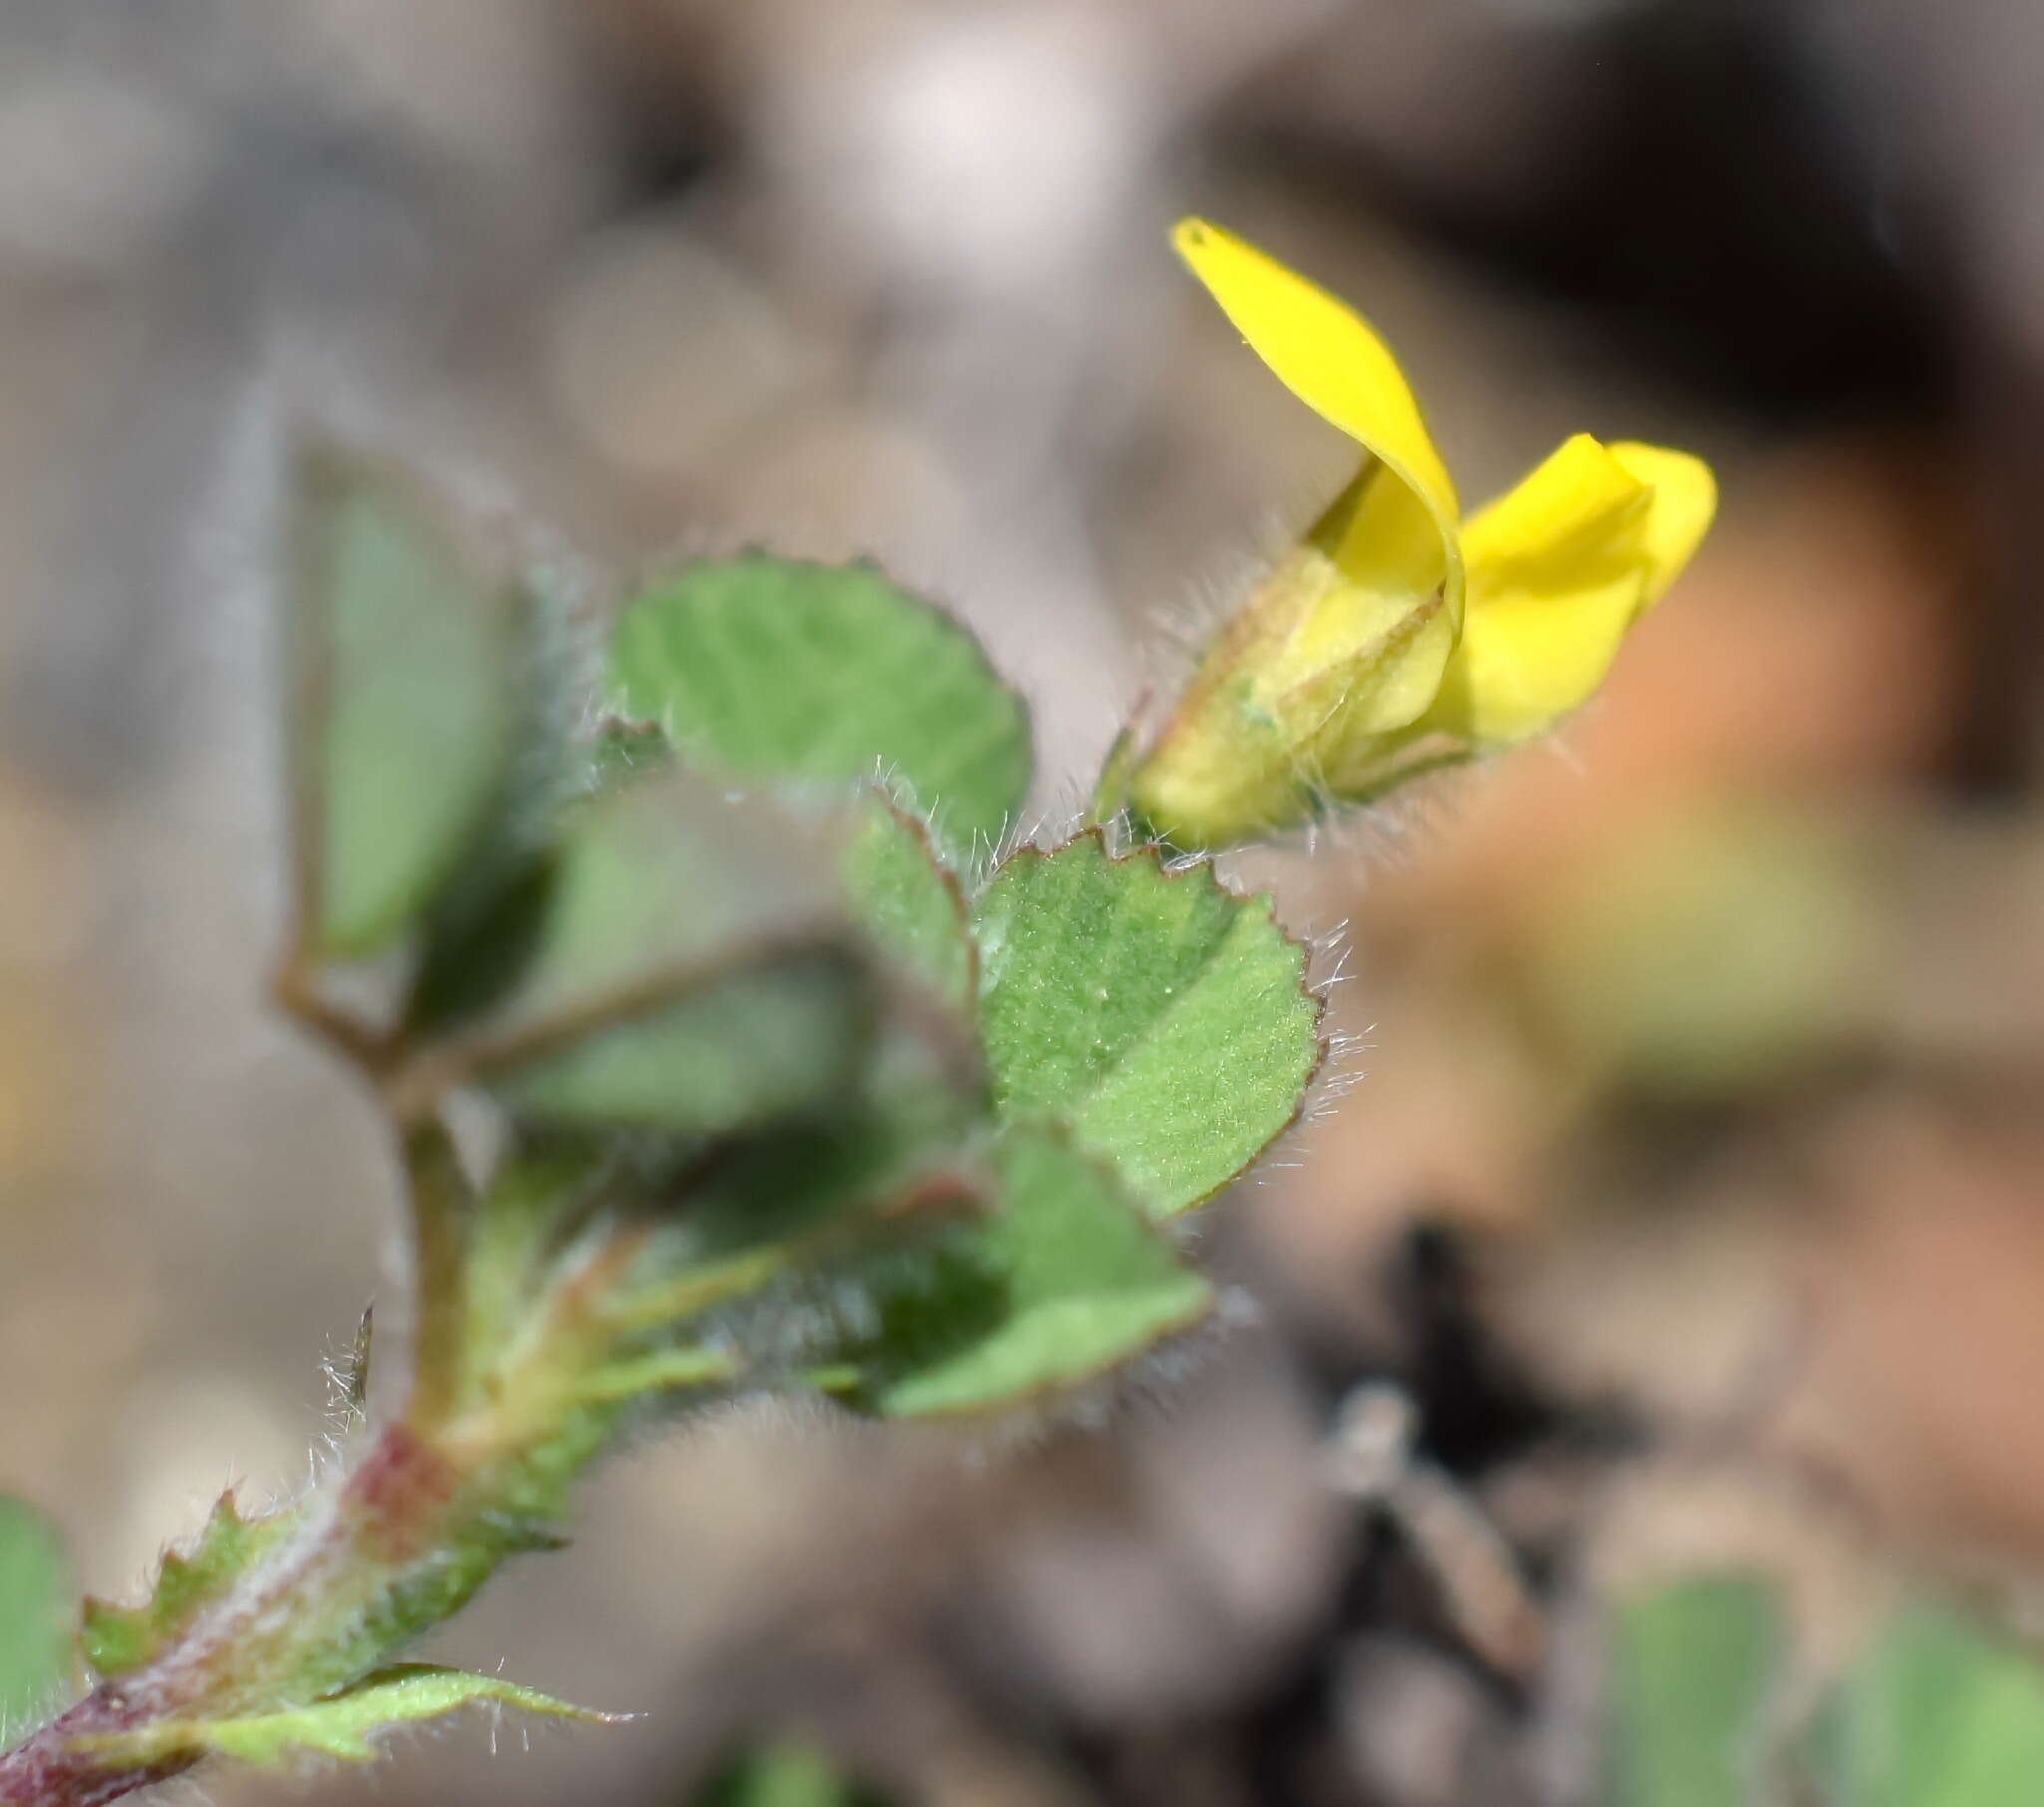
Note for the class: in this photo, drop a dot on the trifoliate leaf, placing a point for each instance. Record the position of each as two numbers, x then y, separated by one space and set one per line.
37 1619
118 1640
1938 1714
405 698
686 965
345 1726
1164 1016
1064 1281
782 669
1690 1670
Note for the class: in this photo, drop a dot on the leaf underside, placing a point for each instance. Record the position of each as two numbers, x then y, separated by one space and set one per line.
687 967
407 670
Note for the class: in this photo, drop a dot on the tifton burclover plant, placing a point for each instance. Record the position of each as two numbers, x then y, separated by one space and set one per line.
734 1041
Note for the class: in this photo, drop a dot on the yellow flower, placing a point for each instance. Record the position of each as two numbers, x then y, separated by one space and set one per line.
1395 636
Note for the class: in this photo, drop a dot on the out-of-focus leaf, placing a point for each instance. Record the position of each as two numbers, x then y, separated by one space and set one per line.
780 1035
907 1128
789 669
1713 954
908 899
1689 1670
1166 1018
406 699
1064 1281
346 1725
36 1614
118 1640
787 1773
659 882
1938 1714
686 965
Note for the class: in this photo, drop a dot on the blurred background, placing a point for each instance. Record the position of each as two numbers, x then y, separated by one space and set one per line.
1692 1191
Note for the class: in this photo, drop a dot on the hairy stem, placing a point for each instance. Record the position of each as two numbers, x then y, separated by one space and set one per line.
468 1473
280 1635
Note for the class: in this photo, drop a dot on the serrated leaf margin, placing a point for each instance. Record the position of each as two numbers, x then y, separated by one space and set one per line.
1173 865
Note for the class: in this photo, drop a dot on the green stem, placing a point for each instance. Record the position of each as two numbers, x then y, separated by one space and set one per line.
700 1290
441 1209
462 1478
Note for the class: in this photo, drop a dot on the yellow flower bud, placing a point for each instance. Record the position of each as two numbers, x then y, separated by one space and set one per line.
1392 636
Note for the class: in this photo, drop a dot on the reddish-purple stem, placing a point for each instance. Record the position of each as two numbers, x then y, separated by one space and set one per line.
385 1514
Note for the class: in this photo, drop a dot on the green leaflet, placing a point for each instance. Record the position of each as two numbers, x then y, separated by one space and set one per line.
36 1614
909 900
406 668
346 1725
1064 1281
829 1209
1937 1714
734 1055
1164 1016
1688 1672
912 1128
787 1773
118 1640
789 669
653 884
686 966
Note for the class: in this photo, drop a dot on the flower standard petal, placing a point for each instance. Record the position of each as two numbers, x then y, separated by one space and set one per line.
1328 355
1391 540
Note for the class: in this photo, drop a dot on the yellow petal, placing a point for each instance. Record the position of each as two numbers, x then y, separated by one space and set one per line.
1685 499
1525 662
1560 514
1559 567
1401 541
1366 657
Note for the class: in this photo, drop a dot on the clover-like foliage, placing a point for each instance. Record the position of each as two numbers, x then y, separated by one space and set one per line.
1709 1703
805 1078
